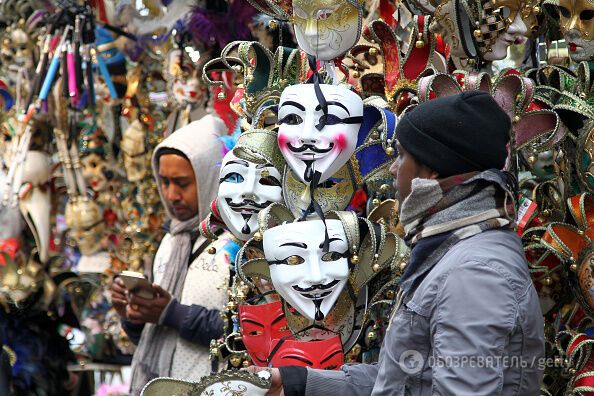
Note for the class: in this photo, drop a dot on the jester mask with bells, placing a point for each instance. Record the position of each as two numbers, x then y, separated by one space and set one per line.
318 128
249 181
576 22
34 199
483 29
327 29
134 152
325 272
85 220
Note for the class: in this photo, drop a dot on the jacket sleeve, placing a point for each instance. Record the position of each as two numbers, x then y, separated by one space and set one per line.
194 323
133 331
474 316
351 379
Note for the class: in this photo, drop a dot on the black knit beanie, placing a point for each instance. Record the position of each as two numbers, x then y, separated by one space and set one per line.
456 134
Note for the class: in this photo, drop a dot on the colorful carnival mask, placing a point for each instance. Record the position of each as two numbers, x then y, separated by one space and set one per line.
85 220
472 29
34 199
576 19
134 152
308 278
187 87
93 153
246 188
314 139
321 354
326 29
260 325
94 171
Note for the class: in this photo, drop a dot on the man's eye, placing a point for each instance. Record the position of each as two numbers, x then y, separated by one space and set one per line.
294 260
270 181
330 119
565 12
291 119
233 177
332 256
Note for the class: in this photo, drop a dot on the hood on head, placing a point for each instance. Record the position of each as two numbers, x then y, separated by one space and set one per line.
200 142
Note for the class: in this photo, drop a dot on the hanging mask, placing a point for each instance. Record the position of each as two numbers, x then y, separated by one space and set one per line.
577 27
246 188
93 154
95 171
327 29
260 325
85 220
186 85
134 152
34 200
312 140
308 278
321 354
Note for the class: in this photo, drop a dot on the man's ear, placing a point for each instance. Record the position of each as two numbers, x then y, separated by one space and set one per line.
433 175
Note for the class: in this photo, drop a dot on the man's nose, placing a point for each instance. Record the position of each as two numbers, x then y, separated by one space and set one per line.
172 194
394 168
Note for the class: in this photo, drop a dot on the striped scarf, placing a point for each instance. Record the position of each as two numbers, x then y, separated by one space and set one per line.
465 205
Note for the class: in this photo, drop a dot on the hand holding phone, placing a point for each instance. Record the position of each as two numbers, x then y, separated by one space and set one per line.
137 283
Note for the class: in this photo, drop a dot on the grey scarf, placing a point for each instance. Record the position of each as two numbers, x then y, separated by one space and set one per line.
154 354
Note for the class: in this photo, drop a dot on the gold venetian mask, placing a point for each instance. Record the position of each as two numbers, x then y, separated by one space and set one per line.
326 28
576 20
85 220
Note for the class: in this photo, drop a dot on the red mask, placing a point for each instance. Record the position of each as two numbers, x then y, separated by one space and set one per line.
260 325
324 354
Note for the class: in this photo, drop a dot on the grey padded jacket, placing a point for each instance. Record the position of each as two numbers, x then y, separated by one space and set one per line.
473 326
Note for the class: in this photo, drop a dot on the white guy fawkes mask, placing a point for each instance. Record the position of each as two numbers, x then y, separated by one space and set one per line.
306 277
326 29
308 149
245 188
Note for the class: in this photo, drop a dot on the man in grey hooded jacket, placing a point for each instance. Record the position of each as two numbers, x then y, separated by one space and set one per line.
467 319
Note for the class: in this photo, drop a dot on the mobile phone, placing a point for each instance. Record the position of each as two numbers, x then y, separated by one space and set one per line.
137 283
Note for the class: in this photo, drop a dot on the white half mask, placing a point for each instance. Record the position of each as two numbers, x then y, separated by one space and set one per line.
34 201
306 277
307 149
515 31
245 189
326 29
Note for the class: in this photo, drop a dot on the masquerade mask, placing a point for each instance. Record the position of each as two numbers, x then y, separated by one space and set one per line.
85 220
322 354
246 188
260 325
576 18
134 152
34 200
94 171
318 137
326 29
308 278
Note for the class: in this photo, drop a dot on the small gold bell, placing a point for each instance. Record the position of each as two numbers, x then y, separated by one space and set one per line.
385 188
355 259
231 305
273 24
373 51
419 44
221 96
390 151
356 74
516 119
390 294
531 160
371 335
375 202
375 267
477 33
573 267
212 250
258 236
572 371
548 281
238 68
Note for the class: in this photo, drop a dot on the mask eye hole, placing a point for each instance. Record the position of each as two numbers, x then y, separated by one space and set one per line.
294 260
329 119
564 12
270 181
233 177
505 12
291 119
255 333
324 14
586 15
331 256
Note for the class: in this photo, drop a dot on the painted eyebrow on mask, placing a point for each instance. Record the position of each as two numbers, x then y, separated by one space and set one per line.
329 357
296 244
238 162
295 104
331 102
330 240
267 165
253 322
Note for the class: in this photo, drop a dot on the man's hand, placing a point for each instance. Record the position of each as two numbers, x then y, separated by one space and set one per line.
118 297
276 389
141 310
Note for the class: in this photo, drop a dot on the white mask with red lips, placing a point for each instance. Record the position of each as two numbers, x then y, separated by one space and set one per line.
245 188
311 141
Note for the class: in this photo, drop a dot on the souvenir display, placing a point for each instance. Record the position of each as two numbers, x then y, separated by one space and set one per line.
310 94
